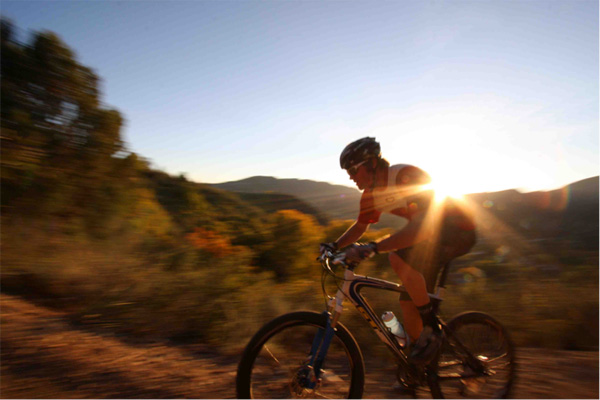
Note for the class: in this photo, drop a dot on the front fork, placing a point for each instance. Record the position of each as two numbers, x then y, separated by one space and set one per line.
318 352
323 339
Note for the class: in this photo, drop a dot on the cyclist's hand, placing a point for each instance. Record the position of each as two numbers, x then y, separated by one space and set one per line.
358 252
332 247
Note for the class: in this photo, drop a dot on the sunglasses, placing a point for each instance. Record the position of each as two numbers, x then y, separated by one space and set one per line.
354 169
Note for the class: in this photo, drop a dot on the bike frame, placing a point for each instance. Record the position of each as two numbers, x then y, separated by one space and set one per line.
351 290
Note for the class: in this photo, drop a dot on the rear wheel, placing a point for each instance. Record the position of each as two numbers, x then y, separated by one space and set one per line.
476 361
274 364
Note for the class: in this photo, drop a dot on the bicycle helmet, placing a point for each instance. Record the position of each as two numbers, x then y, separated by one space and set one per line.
359 151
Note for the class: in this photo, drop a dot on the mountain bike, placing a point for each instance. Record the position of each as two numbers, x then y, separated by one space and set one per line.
310 355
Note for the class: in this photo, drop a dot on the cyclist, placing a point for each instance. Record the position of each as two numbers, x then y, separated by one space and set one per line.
417 252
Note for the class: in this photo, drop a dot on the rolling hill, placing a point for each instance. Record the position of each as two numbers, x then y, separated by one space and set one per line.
569 212
336 201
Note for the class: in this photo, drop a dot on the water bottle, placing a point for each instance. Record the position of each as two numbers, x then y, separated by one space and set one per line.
390 320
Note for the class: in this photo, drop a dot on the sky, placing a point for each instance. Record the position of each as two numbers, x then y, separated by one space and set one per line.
483 95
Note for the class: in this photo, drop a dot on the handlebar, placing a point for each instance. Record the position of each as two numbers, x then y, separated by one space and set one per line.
335 258
338 257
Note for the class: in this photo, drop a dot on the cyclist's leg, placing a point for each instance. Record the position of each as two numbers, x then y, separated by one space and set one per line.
433 257
408 276
412 319
415 300
412 279
420 317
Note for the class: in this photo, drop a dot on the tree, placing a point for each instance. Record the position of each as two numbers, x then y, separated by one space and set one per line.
59 146
294 246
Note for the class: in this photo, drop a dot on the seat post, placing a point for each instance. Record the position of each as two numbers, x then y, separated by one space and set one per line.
440 287
443 276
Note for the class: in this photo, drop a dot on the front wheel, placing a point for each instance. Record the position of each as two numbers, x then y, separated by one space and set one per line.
274 364
477 359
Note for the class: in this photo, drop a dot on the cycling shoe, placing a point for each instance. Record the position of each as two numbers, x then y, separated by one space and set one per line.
427 346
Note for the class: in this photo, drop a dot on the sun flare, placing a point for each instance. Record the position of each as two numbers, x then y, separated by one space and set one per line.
443 190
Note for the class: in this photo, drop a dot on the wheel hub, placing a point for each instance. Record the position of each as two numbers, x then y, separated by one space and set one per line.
304 382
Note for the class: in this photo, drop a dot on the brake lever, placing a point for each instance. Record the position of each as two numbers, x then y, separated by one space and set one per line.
340 258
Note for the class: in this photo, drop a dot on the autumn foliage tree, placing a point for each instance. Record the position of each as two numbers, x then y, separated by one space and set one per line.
292 250
210 242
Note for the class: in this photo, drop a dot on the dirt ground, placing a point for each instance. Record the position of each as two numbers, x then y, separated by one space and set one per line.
43 356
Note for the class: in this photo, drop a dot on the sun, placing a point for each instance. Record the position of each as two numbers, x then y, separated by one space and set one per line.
456 182
445 189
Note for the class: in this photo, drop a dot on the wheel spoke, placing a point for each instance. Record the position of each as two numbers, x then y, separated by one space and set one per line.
492 360
272 356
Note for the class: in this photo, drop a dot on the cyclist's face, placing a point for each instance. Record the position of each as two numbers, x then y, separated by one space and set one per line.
361 176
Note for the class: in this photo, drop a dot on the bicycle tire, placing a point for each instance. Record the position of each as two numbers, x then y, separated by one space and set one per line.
293 327
487 340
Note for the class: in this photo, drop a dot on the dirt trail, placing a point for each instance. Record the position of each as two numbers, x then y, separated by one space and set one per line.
43 356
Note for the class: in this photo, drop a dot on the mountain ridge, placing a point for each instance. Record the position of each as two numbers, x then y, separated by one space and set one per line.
338 201
582 184
253 184
570 211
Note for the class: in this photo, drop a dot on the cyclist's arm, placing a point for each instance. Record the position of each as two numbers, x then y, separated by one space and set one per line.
352 235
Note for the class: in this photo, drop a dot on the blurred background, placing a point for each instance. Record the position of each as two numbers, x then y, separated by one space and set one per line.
175 189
